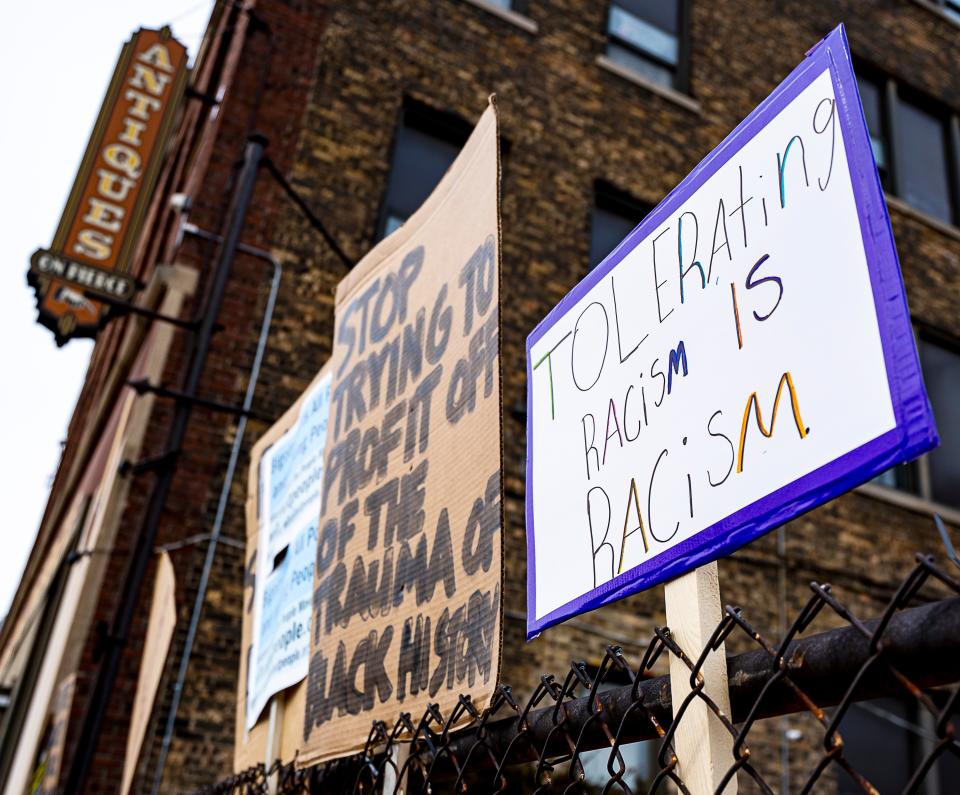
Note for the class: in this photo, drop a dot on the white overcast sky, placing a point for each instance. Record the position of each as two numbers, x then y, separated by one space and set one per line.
56 60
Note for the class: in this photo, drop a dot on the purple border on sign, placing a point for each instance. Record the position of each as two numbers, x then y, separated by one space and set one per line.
915 431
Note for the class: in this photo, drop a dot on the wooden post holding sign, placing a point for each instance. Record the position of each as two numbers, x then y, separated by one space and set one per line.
93 248
704 746
743 356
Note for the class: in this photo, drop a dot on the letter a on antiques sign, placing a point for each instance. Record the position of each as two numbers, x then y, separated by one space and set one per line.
93 248
407 589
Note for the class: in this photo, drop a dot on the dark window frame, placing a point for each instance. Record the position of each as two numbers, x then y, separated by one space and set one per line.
517 6
949 7
442 125
916 738
926 334
615 678
681 70
892 93
879 84
610 198
914 477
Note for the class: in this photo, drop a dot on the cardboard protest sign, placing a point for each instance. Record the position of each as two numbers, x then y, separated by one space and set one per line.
744 355
408 575
283 508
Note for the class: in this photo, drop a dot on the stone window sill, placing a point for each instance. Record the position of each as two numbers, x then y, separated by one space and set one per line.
519 20
677 98
910 502
910 211
939 10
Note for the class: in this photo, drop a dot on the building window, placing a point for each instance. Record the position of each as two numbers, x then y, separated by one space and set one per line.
520 6
950 7
936 476
649 38
871 96
905 732
925 161
426 144
614 216
911 141
639 758
901 477
941 372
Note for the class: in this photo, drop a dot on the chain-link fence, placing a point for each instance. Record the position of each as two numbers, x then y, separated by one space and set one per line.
551 742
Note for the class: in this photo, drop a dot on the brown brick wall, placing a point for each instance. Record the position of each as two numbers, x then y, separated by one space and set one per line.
332 93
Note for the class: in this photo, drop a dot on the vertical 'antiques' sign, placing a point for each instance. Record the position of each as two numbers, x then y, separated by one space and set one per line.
91 251
407 593
744 355
286 482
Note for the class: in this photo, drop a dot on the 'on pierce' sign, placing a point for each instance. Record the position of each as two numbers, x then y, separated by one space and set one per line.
744 355
91 251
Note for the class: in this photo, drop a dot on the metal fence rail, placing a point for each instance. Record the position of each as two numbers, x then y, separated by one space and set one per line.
912 651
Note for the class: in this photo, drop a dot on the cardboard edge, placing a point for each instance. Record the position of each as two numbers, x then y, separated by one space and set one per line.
492 105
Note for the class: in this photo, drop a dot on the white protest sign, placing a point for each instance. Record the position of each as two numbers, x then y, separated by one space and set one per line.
290 485
744 355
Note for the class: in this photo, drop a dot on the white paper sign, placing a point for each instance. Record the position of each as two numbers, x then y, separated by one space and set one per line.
291 480
727 350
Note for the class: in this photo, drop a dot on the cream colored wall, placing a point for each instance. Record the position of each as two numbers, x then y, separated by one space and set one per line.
85 578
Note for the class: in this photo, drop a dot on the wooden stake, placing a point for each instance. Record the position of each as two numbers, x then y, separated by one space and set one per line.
399 753
274 737
703 745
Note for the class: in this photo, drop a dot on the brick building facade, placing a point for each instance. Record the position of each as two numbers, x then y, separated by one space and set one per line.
604 108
